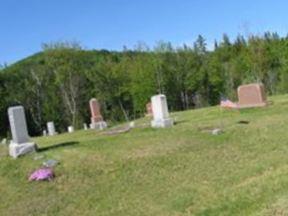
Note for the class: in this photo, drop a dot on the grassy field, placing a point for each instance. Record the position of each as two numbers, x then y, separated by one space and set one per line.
178 171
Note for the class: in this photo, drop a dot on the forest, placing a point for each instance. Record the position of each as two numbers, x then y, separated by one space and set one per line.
57 83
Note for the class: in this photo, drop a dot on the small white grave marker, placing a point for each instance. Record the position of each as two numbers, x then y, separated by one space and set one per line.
70 129
44 133
85 126
51 129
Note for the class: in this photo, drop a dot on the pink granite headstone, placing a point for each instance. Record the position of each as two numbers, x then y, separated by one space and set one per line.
95 111
96 117
251 95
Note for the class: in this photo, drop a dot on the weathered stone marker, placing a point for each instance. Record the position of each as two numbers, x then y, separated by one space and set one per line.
251 95
51 129
44 132
149 111
85 127
20 143
70 129
96 117
160 112
132 124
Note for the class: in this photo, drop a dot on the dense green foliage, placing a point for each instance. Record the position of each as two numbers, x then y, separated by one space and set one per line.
56 84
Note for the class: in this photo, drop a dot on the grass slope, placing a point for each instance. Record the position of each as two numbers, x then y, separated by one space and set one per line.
182 170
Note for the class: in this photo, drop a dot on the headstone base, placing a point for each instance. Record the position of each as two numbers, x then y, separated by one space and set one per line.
243 106
98 125
16 150
162 123
53 134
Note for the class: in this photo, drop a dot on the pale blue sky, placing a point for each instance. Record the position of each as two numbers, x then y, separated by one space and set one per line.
111 24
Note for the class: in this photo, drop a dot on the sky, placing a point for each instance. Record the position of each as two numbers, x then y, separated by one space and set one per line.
111 24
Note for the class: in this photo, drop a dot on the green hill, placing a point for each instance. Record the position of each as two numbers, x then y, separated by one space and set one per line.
57 83
184 170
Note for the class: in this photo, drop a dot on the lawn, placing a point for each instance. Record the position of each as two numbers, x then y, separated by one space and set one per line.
183 170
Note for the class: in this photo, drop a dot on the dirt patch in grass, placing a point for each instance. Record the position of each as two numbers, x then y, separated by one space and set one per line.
261 176
278 208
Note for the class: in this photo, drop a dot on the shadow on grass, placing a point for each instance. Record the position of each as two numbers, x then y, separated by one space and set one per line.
243 122
59 145
180 121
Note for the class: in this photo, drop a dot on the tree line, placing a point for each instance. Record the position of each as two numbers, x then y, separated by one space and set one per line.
57 83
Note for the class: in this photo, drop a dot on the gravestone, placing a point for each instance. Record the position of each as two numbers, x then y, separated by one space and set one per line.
44 132
70 129
85 126
51 129
20 143
96 117
4 141
132 124
149 111
160 112
251 95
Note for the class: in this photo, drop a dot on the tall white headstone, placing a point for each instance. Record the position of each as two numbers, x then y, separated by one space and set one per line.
20 143
51 129
160 112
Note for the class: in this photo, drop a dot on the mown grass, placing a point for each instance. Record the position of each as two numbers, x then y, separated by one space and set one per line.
182 170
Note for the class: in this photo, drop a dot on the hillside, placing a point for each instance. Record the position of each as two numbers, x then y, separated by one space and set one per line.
182 170
57 83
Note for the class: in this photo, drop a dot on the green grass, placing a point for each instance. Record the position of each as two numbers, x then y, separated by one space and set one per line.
177 171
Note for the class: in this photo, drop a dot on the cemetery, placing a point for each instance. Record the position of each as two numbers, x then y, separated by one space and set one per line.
143 108
164 163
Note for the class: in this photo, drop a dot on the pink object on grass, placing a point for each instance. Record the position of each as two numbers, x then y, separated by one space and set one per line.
42 174
225 103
